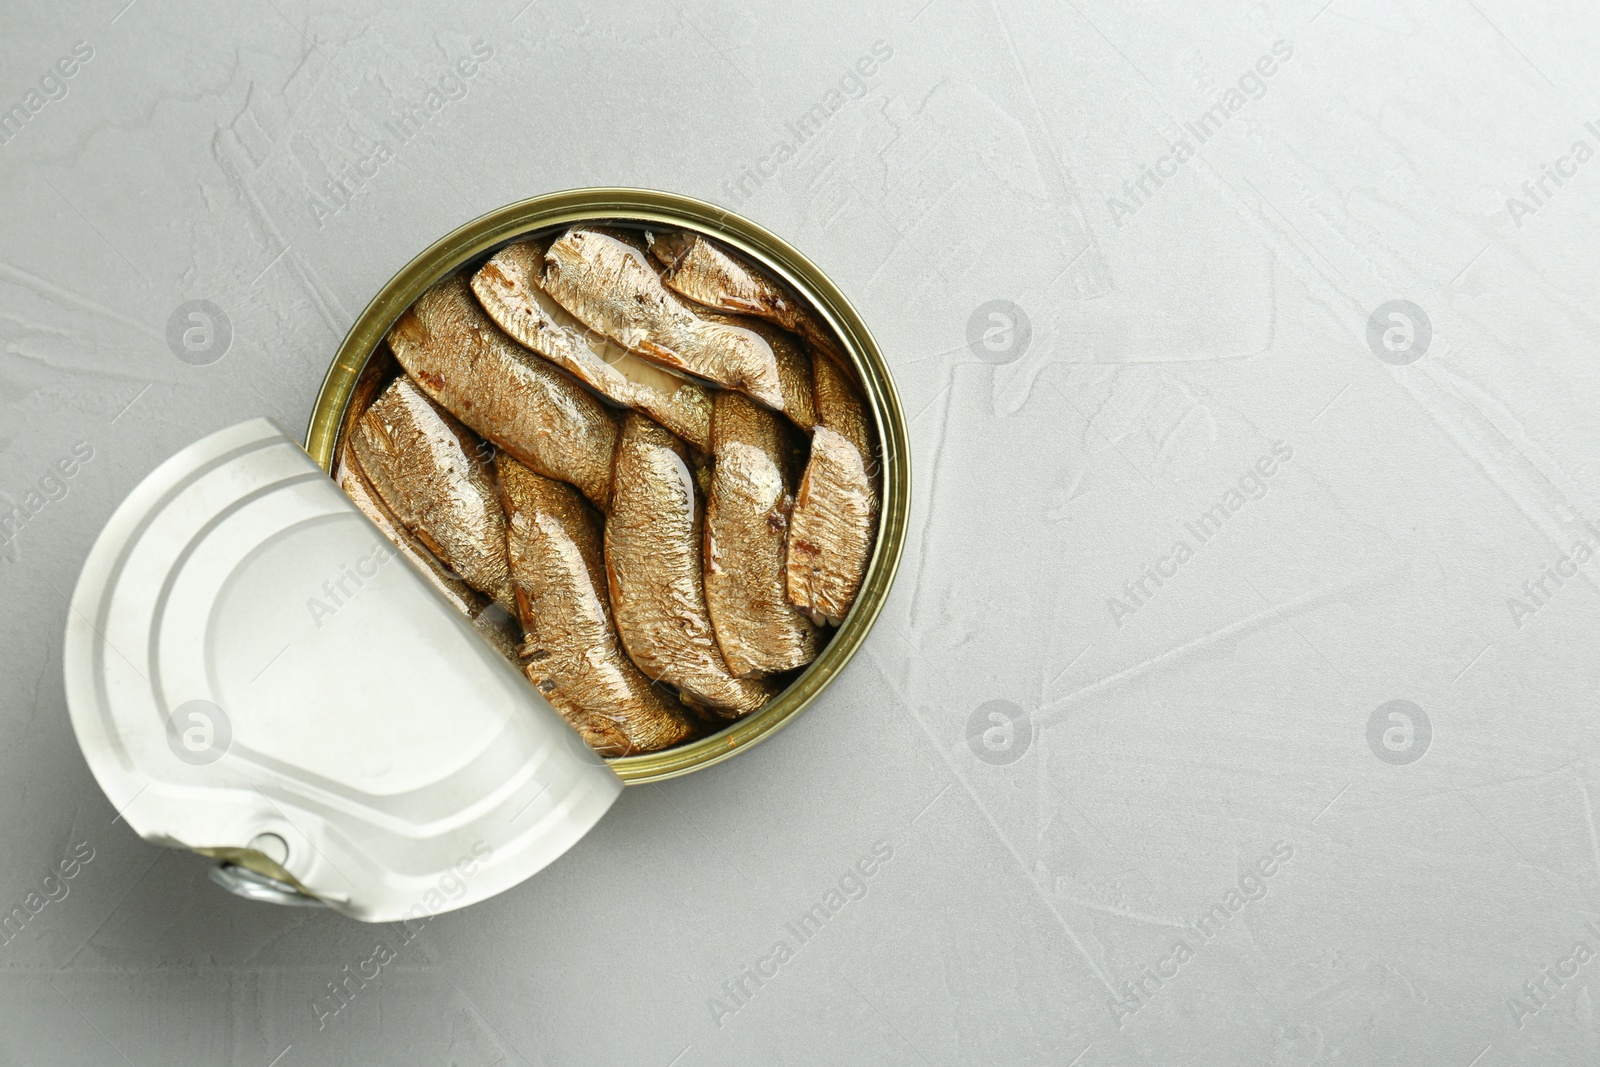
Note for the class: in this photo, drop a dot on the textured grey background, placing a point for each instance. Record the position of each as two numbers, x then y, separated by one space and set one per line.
1430 909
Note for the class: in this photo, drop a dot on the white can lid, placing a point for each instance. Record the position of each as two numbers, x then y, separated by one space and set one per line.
248 660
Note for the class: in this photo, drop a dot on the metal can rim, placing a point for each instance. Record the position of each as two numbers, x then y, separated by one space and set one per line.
648 206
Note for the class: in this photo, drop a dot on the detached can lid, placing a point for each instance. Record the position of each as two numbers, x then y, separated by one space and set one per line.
254 673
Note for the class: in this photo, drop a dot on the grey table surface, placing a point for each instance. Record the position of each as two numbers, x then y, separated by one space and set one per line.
1195 503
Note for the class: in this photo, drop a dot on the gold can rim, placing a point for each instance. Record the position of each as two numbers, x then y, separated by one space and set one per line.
652 207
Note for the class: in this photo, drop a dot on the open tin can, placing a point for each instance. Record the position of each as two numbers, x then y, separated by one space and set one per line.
387 751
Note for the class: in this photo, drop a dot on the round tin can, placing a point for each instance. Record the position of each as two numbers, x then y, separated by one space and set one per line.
474 242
